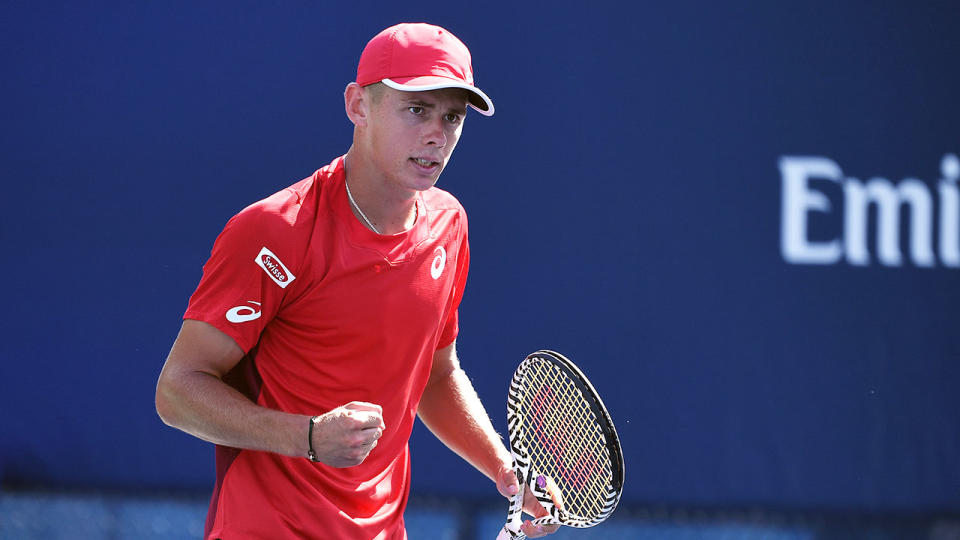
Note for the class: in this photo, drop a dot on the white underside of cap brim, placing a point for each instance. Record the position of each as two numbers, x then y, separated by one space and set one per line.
445 84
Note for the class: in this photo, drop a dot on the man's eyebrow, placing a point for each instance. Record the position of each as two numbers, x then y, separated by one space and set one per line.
420 103
430 105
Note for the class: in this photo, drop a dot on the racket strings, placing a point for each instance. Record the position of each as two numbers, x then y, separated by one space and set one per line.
565 440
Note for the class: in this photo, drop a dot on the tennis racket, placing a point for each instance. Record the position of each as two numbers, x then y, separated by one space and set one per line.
561 431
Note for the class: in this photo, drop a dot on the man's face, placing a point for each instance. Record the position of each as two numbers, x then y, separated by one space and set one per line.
413 134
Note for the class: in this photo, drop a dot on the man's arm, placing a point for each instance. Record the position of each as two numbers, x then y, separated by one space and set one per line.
451 409
192 396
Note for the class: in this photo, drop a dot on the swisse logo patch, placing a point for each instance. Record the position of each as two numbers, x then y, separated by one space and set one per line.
274 268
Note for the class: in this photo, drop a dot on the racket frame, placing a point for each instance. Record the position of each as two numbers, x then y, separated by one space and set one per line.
528 477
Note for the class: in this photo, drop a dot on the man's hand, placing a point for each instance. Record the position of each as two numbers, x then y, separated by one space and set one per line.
345 436
508 486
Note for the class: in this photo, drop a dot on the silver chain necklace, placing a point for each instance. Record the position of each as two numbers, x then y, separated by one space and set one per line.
359 211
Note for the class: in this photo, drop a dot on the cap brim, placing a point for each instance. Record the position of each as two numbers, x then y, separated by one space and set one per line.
476 98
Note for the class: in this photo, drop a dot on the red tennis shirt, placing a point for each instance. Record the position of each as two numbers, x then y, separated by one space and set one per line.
329 312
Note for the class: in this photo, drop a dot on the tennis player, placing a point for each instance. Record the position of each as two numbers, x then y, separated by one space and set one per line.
326 319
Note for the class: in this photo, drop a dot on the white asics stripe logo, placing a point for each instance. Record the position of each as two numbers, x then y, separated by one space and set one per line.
242 314
274 268
438 263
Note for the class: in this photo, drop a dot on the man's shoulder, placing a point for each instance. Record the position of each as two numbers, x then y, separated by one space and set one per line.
445 212
294 206
284 209
285 218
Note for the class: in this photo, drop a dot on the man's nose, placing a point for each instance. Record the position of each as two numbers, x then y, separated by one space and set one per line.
435 134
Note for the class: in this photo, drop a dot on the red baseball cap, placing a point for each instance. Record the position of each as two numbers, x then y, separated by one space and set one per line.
415 57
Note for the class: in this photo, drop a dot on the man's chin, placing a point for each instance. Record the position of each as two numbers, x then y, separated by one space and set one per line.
425 183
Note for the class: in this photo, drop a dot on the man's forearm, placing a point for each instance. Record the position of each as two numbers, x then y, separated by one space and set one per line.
204 406
191 396
451 409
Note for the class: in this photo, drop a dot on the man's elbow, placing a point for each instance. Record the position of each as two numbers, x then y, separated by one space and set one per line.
164 401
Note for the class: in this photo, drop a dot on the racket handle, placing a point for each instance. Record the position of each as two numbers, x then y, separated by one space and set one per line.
514 518
505 535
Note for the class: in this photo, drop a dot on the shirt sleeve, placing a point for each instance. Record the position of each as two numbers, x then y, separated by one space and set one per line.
452 325
250 270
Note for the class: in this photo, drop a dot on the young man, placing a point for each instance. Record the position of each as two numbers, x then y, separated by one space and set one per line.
326 319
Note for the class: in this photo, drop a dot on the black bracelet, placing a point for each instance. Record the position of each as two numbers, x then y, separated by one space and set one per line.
311 455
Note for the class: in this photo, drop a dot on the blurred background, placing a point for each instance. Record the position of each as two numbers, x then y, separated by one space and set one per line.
741 220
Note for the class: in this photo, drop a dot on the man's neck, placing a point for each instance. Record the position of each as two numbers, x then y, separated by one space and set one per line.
372 201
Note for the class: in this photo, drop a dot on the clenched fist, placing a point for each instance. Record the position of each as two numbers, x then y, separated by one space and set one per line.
345 436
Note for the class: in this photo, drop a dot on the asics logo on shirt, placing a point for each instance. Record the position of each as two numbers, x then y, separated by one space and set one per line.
242 314
439 261
277 271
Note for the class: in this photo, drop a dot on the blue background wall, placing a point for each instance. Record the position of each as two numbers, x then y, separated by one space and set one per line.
625 206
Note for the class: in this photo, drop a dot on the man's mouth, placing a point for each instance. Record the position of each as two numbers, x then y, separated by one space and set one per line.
426 163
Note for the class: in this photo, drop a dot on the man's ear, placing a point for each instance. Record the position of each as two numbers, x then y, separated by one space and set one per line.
357 104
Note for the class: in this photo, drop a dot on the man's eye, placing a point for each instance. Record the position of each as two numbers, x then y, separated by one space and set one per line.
416 110
453 118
